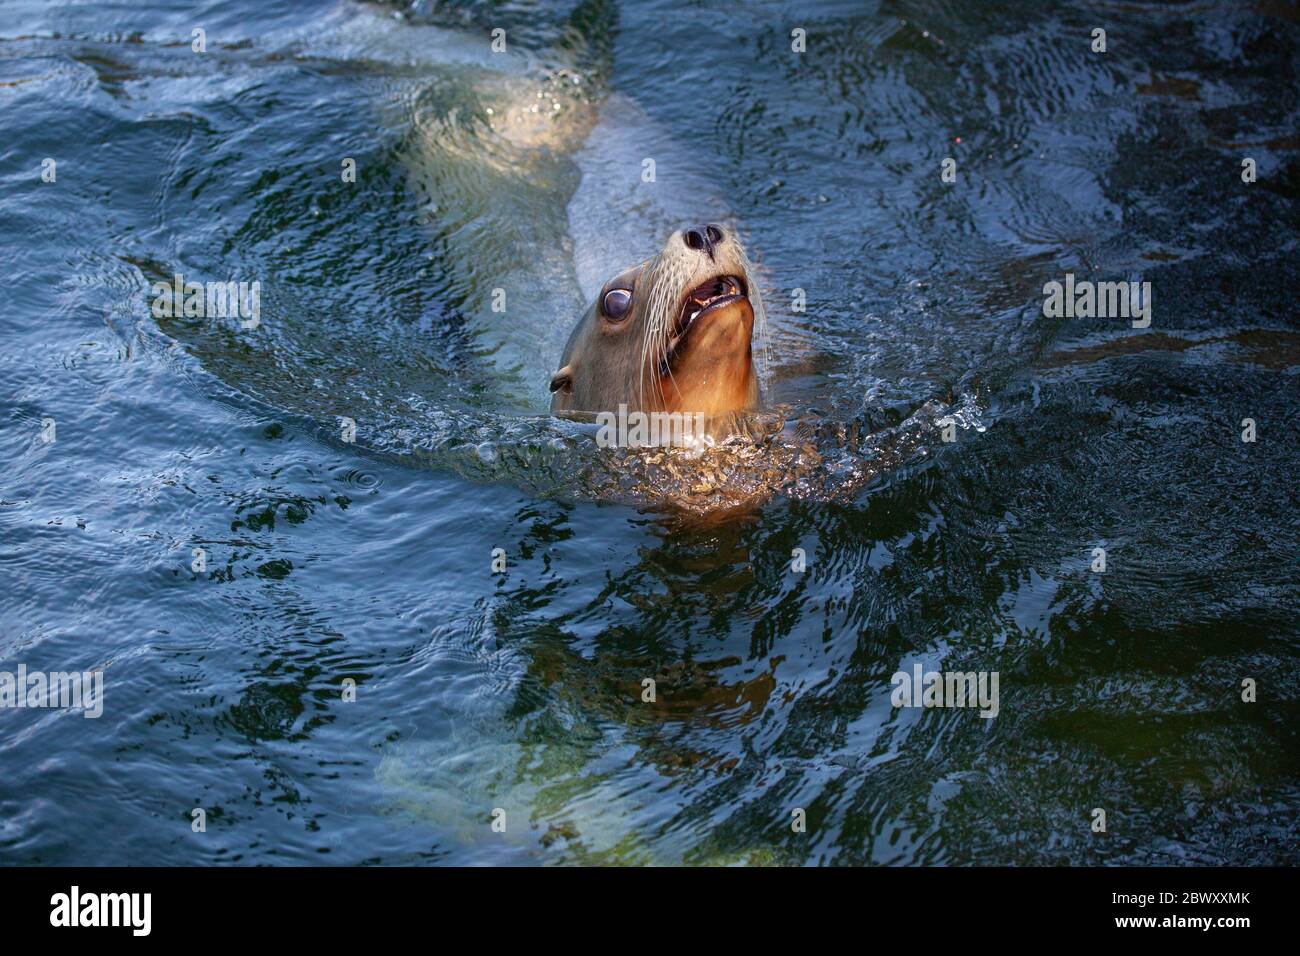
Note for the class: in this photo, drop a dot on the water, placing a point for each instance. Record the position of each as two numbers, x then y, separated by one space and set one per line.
371 560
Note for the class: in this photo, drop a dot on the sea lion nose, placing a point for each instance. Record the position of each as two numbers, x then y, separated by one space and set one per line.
703 238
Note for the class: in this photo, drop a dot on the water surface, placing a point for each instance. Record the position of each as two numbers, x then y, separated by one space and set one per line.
330 560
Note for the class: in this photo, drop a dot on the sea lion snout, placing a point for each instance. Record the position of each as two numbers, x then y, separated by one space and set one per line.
673 334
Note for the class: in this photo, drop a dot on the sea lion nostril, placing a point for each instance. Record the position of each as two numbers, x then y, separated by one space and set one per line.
703 238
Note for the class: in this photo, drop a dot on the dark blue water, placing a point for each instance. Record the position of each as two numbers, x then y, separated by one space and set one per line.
329 560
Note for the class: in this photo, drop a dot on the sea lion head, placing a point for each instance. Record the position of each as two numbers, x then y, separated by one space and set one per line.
673 334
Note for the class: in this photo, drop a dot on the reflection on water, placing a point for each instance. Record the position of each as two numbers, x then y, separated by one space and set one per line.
945 459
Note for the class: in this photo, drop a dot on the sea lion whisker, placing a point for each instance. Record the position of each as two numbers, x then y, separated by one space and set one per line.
760 313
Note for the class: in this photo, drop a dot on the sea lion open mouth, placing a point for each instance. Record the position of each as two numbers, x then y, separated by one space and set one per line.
716 293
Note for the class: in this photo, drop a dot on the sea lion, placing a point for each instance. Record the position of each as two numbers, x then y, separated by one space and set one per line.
673 334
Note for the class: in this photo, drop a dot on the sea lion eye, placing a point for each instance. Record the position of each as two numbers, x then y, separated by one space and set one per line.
617 302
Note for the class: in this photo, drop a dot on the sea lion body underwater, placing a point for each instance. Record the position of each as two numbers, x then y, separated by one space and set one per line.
673 334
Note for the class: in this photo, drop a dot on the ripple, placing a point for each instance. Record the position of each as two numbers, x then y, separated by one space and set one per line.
363 480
